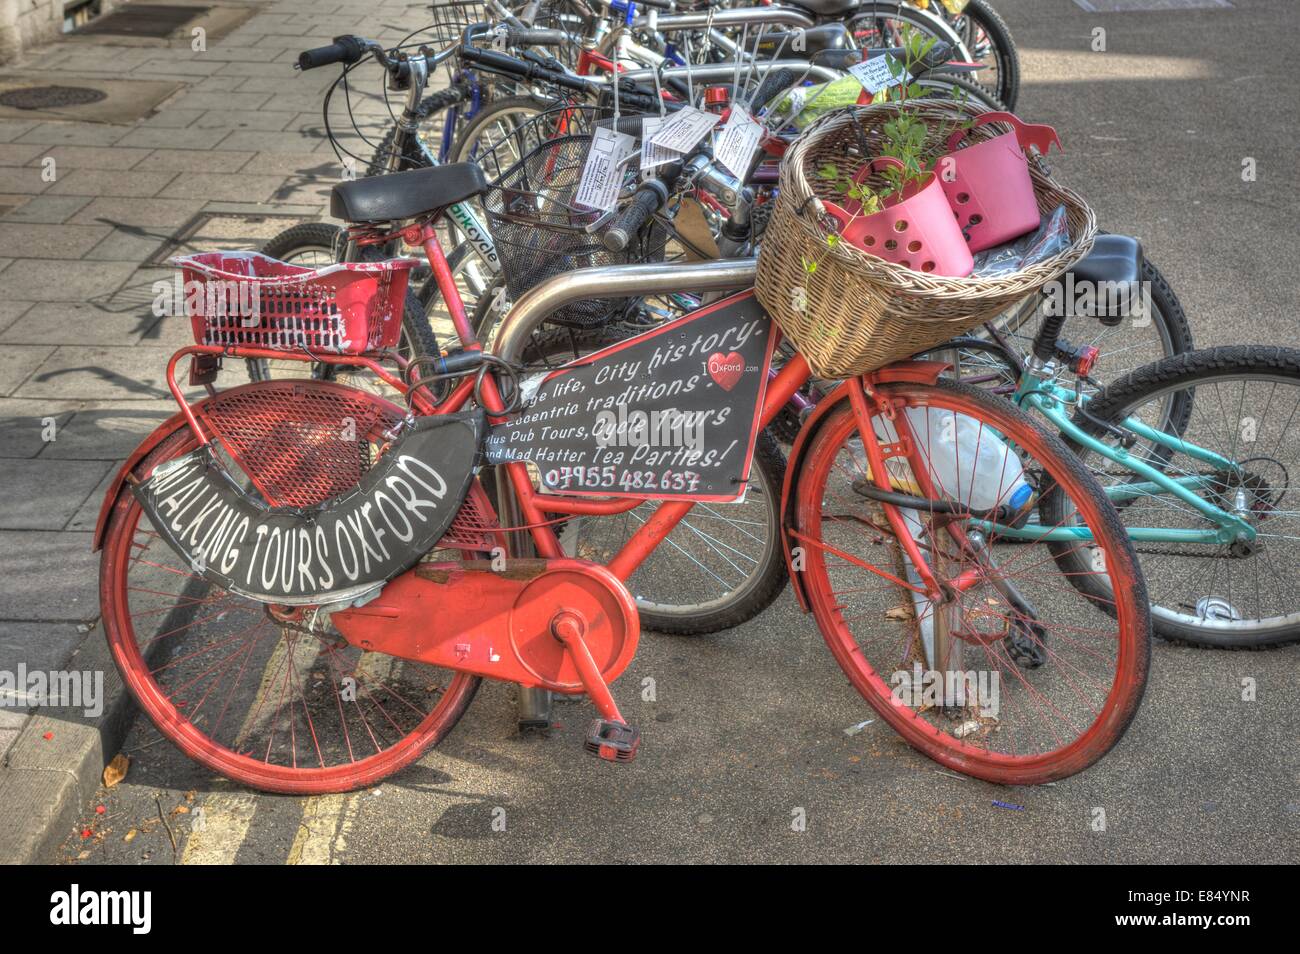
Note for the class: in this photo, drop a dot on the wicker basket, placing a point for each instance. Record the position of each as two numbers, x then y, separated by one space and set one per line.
853 312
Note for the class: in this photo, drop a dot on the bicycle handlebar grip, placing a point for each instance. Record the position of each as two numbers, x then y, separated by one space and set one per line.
645 203
658 4
774 83
628 125
501 63
344 49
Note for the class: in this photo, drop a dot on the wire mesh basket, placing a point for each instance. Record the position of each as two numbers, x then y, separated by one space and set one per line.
539 229
451 17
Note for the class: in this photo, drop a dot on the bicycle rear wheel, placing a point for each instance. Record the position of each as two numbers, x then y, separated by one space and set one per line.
989 40
720 566
256 693
1048 682
1238 594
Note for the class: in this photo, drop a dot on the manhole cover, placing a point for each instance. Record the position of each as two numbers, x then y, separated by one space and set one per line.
159 20
51 97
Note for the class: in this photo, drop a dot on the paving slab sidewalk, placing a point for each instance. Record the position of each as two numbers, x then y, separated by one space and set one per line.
89 209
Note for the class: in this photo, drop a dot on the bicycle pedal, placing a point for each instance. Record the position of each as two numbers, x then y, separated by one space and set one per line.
612 741
1026 644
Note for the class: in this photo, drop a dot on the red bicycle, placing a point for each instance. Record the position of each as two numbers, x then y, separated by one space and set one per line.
303 583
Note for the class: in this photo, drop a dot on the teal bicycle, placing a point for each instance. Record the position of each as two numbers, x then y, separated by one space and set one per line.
1194 450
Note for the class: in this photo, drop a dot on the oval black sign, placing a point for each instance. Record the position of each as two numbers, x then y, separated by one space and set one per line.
331 553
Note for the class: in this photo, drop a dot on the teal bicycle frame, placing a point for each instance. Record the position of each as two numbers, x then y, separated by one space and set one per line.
1040 393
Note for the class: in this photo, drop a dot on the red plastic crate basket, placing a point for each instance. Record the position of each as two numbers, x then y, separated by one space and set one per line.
245 299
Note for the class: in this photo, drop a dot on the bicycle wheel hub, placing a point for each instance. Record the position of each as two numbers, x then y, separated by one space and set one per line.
1216 609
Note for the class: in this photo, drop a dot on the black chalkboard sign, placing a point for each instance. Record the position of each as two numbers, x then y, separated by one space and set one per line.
335 551
669 414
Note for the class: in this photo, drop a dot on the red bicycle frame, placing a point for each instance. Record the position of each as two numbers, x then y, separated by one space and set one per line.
535 505
538 508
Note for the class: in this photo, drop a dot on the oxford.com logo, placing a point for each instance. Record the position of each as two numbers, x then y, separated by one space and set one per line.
77 907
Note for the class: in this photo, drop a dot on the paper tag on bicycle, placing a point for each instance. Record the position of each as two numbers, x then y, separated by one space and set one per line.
683 130
672 413
738 141
875 74
602 176
652 155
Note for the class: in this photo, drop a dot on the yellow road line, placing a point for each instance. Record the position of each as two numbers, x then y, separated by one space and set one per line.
322 832
217 833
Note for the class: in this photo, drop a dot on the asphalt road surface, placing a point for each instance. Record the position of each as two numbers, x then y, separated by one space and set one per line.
746 733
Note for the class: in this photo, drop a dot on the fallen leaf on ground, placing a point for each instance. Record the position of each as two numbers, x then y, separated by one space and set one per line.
115 770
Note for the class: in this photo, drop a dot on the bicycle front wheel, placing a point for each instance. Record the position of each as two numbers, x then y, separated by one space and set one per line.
1012 676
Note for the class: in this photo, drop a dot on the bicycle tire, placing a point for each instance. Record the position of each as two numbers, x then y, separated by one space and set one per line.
985 18
838 599
1180 372
930 23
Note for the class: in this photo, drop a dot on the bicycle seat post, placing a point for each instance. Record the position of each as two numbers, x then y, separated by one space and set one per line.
1049 332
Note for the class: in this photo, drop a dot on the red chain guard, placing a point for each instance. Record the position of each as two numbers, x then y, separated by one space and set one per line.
464 616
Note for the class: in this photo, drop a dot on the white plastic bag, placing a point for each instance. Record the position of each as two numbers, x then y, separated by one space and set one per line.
968 460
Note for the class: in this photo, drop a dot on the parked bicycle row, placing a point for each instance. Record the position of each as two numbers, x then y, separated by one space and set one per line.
739 296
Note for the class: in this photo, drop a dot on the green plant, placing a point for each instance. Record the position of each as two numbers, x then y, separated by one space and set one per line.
870 200
915 141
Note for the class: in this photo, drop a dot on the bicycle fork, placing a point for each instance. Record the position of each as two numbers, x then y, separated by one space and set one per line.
934 591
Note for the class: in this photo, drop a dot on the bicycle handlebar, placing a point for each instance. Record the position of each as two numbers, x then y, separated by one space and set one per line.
649 198
537 36
644 204
344 49
503 63
774 83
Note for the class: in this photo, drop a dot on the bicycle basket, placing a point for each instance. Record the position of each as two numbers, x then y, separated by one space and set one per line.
245 299
851 312
540 232
451 17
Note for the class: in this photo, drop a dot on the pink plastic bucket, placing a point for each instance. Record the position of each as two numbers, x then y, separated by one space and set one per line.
988 183
915 230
